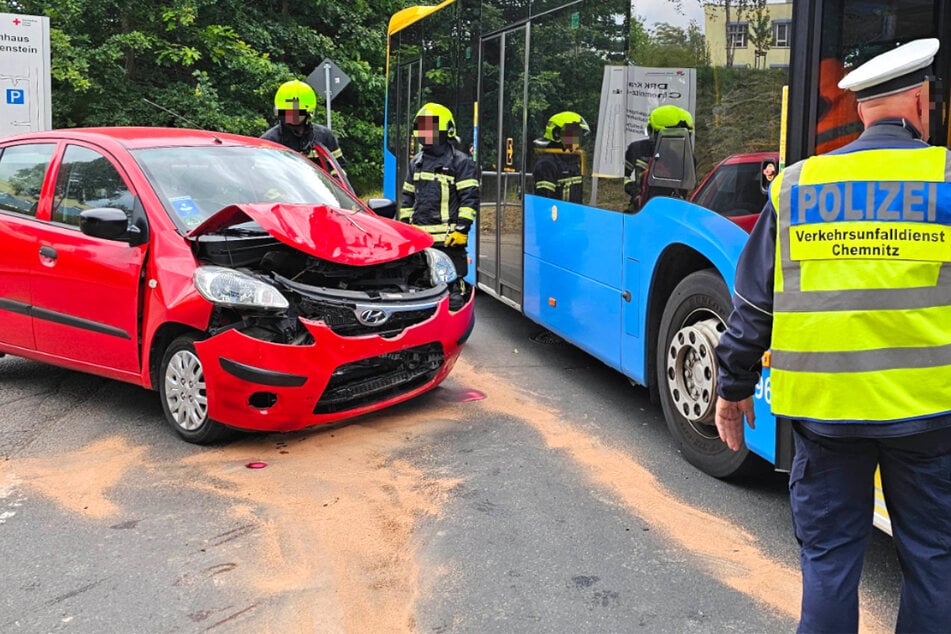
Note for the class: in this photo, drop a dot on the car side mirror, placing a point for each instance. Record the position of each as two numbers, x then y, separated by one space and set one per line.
767 172
104 222
383 207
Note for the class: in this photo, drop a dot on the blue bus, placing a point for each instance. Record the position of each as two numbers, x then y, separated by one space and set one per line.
645 288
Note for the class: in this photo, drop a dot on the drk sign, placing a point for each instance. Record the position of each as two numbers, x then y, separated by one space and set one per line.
25 104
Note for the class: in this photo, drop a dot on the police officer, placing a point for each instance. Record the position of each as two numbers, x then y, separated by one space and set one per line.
844 278
557 171
295 104
441 190
639 153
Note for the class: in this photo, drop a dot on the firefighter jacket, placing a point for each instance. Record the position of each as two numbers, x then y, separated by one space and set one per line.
845 279
558 175
441 191
304 143
636 161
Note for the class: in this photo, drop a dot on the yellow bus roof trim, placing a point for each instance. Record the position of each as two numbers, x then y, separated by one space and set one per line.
402 19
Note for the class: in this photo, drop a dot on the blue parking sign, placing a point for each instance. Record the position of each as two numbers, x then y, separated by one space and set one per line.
16 96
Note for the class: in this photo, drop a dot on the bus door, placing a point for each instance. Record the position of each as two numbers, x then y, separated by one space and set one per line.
408 82
501 145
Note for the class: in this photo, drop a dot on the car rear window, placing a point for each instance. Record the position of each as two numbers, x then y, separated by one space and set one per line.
22 170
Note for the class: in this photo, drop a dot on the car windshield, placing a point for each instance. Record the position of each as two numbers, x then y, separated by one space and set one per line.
196 182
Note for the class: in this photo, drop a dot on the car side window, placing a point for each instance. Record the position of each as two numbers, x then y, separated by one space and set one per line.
733 190
22 170
87 180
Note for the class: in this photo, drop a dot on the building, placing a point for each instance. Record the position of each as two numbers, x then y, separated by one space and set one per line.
741 31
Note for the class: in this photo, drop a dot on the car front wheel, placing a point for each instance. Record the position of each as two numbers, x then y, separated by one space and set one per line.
183 394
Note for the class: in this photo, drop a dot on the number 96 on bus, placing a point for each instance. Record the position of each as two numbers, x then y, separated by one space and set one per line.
762 389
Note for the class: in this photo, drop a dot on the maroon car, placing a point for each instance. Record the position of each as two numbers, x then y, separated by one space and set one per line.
737 187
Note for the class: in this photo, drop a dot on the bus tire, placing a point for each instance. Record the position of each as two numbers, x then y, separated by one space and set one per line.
692 323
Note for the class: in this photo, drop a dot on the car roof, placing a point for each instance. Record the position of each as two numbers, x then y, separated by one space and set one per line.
749 157
143 137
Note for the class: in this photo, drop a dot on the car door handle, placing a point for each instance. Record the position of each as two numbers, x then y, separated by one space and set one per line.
48 252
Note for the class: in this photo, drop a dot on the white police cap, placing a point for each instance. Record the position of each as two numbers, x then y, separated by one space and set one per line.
893 71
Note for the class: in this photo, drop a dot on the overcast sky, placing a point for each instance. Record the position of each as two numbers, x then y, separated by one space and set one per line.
654 11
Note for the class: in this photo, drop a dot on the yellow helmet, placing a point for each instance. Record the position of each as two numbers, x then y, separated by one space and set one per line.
557 123
445 124
668 116
295 95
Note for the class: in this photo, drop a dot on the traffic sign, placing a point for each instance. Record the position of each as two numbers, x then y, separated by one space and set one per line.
25 88
327 79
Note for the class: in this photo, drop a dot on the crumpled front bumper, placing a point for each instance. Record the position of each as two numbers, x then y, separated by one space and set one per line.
259 385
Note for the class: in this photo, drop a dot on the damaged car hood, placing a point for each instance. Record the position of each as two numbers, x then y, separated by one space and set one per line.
356 238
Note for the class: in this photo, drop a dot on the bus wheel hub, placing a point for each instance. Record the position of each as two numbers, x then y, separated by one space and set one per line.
692 370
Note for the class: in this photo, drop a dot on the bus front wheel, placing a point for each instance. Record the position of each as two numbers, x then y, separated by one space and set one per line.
690 328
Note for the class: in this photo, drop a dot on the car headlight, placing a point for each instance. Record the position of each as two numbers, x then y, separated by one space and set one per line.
227 287
441 268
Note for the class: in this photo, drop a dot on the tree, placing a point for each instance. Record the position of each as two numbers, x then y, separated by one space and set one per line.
733 11
761 32
215 63
668 46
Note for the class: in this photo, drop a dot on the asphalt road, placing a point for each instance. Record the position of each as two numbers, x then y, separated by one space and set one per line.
535 491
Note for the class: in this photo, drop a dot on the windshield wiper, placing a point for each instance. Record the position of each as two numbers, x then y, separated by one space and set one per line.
347 215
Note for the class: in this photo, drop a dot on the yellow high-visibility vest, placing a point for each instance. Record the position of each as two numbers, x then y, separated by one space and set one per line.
862 289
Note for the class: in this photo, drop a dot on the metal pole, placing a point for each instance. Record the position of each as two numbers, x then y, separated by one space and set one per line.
327 91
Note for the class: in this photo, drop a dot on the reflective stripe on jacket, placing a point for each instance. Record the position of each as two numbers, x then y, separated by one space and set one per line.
862 286
441 191
558 176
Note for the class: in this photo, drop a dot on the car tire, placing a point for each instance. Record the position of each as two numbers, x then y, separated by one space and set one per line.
692 323
182 391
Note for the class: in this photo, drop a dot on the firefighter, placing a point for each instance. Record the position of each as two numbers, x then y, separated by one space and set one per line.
295 104
557 171
639 153
441 190
844 279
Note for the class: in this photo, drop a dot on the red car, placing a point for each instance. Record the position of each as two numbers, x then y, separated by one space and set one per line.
236 278
736 187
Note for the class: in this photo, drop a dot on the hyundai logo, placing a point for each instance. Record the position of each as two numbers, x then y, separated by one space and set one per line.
372 316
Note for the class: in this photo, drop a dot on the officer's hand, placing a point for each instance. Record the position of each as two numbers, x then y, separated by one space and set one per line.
457 239
730 420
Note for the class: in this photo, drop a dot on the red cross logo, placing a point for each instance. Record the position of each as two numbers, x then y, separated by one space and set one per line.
16 21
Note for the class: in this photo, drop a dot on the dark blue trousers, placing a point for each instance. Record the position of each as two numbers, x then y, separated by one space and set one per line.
831 490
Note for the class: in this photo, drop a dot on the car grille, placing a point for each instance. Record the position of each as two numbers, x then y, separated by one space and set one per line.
343 320
380 378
